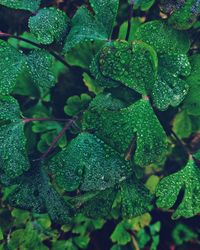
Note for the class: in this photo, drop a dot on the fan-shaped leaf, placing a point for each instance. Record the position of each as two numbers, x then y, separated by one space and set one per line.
32 5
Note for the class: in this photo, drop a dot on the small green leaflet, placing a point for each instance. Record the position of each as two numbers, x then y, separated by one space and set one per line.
170 87
136 198
84 28
89 164
34 192
49 25
32 5
162 37
12 63
118 128
13 157
40 64
133 65
169 187
143 4
105 12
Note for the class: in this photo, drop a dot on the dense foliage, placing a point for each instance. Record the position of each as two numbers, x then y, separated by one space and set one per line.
99 124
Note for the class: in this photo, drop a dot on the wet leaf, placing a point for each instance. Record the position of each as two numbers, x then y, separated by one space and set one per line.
32 5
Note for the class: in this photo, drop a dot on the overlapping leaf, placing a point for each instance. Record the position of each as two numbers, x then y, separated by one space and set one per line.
136 198
32 5
89 27
170 87
13 157
118 128
12 63
34 192
162 37
40 65
49 25
133 65
169 188
143 4
89 164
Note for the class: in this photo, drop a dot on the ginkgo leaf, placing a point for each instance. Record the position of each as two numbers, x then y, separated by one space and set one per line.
162 37
105 12
133 65
89 164
89 202
118 128
182 124
170 87
49 25
40 64
34 192
144 5
169 188
12 63
84 28
13 156
136 198
32 5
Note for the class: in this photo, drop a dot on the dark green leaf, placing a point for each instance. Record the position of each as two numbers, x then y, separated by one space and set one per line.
49 25
32 5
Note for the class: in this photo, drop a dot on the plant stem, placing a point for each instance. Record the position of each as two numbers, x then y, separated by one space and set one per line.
53 53
129 19
27 120
182 144
66 127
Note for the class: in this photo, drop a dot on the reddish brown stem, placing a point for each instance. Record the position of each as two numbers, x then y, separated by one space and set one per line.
27 120
66 127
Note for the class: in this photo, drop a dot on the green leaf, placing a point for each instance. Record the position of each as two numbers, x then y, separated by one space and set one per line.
105 12
136 199
169 188
89 164
34 192
118 128
162 37
133 65
84 28
182 124
76 104
11 63
170 87
32 5
40 65
194 77
13 156
120 234
181 234
144 5
185 16
49 25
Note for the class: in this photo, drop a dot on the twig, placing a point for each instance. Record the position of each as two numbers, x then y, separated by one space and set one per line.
134 241
181 143
27 120
53 53
129 19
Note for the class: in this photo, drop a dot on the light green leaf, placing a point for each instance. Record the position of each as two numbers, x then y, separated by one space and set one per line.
169 188
162 37
32 5
12 63
105 12
89 164
120 234
84 28
40 65
182 124
49 25
144 5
